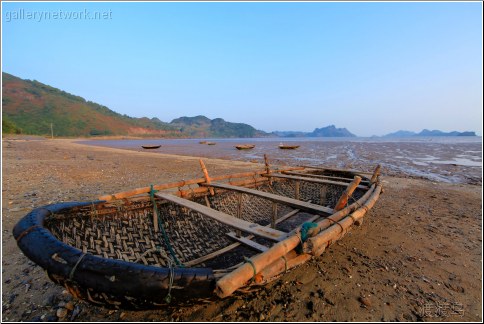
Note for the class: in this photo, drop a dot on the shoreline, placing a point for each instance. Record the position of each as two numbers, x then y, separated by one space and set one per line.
400 262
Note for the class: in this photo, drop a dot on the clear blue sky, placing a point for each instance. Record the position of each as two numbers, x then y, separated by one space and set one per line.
373 68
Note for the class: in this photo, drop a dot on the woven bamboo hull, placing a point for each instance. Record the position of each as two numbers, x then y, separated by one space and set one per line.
115 252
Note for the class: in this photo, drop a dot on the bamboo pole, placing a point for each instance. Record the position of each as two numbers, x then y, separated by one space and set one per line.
375 175
343 200
320 242
274 214
207 177
280 266
318 176
138 191
328 221
266 162
229 283
335 169
188 192
268 169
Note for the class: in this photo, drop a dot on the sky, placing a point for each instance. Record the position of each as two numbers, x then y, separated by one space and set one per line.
372 67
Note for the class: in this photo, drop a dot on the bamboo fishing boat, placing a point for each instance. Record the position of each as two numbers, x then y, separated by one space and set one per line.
244 146
288 147
150 147
195 239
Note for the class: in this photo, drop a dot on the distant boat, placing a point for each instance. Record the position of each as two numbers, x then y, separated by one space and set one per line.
150 147
211 143
245 146
202 142
288 147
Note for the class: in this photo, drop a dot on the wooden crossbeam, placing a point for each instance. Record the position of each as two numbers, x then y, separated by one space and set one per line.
226 219
248 242
276 198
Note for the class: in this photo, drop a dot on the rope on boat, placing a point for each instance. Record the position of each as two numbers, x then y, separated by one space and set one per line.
304 235
162 228
285 263
249 261
170 266
27 231
71 274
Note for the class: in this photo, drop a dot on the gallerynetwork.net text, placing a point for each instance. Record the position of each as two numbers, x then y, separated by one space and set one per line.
37 15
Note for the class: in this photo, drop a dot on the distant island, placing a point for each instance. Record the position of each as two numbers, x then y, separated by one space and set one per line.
426 132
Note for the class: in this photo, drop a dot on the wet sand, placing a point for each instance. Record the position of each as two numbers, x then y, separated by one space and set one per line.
417 256
443 159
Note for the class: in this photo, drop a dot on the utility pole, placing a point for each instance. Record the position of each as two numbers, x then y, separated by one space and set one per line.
51 131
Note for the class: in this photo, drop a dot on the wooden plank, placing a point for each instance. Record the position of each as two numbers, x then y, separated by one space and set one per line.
211 255
276 198
226 219
319 176
336 183
248 242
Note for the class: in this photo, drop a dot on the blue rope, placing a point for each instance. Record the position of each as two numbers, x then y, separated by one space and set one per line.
305 234
161 227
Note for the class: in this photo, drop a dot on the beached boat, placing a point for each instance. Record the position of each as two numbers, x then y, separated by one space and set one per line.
288 147
150 147
245 146
175 242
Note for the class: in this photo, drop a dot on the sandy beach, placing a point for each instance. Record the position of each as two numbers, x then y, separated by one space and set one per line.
417 256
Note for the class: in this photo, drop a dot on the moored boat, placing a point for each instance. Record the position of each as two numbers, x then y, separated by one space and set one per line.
244 146
150 147
211 143
172 242
288 147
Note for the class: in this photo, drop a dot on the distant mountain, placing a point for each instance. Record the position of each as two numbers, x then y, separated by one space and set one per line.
426 132
31 107
331 131
201 126
401 133
328 131
290 134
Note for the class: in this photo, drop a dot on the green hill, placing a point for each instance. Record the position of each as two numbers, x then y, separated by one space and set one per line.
30 107
201 126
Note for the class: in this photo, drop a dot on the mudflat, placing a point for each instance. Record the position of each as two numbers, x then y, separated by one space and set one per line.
417 255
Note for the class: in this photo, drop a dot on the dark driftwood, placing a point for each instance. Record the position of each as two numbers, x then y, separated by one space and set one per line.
276 198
